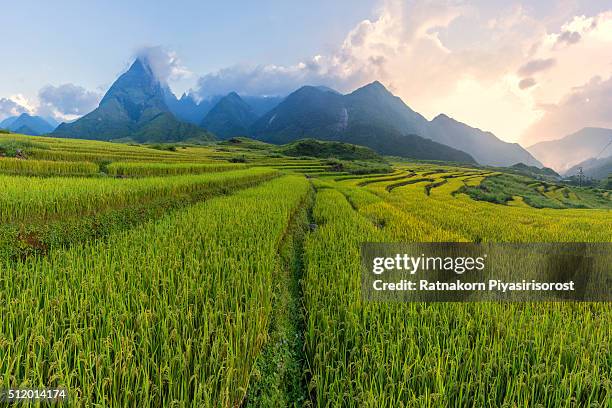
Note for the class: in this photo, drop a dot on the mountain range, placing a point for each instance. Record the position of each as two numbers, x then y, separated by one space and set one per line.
27 124
370 116
485 147
140 107
134 108
188 109
374 117
562 154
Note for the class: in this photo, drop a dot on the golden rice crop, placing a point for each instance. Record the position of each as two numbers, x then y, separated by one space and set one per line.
170 314
45 167
367 354
23 198
176 312
166 169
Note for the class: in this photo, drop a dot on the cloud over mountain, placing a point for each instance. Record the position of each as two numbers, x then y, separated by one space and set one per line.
9 107
164 63
475 60
275 80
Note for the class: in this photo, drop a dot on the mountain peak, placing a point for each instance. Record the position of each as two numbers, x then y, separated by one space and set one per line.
142 66
136 88
443 117
484 146
135 106
327 89
377 85
374 88
230 117
306 88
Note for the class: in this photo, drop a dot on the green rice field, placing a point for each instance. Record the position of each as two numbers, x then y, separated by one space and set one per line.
223 276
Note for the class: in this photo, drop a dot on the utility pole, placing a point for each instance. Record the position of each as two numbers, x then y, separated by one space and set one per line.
580 176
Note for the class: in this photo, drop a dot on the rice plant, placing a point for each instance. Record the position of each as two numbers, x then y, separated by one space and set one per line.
47 168
23 198
167 169
364 354
173 313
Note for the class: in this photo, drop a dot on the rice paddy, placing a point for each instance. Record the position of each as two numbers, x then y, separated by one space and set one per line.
222 276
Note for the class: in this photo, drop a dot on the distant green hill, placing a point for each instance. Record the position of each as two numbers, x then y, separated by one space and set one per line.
248 143
533 171
326 150
135 108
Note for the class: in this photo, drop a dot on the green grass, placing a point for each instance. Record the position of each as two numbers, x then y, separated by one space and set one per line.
28 237
9 146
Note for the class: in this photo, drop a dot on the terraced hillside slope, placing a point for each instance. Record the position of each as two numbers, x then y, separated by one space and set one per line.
228 275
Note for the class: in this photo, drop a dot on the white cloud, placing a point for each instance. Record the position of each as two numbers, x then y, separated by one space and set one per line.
274 79
493 65
583 66
164 63
63 102
13 106
66 101
587 105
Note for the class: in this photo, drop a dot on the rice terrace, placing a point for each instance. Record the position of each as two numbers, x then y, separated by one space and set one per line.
225 274
321 204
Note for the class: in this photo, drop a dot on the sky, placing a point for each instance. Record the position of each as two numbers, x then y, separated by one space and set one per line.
526 70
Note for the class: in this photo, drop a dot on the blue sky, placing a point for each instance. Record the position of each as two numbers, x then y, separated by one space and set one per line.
526 70
89 43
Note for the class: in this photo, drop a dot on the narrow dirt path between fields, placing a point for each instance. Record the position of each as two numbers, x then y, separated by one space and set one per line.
279 378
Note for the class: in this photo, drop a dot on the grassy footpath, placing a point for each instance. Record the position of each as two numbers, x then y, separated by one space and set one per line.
278 379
